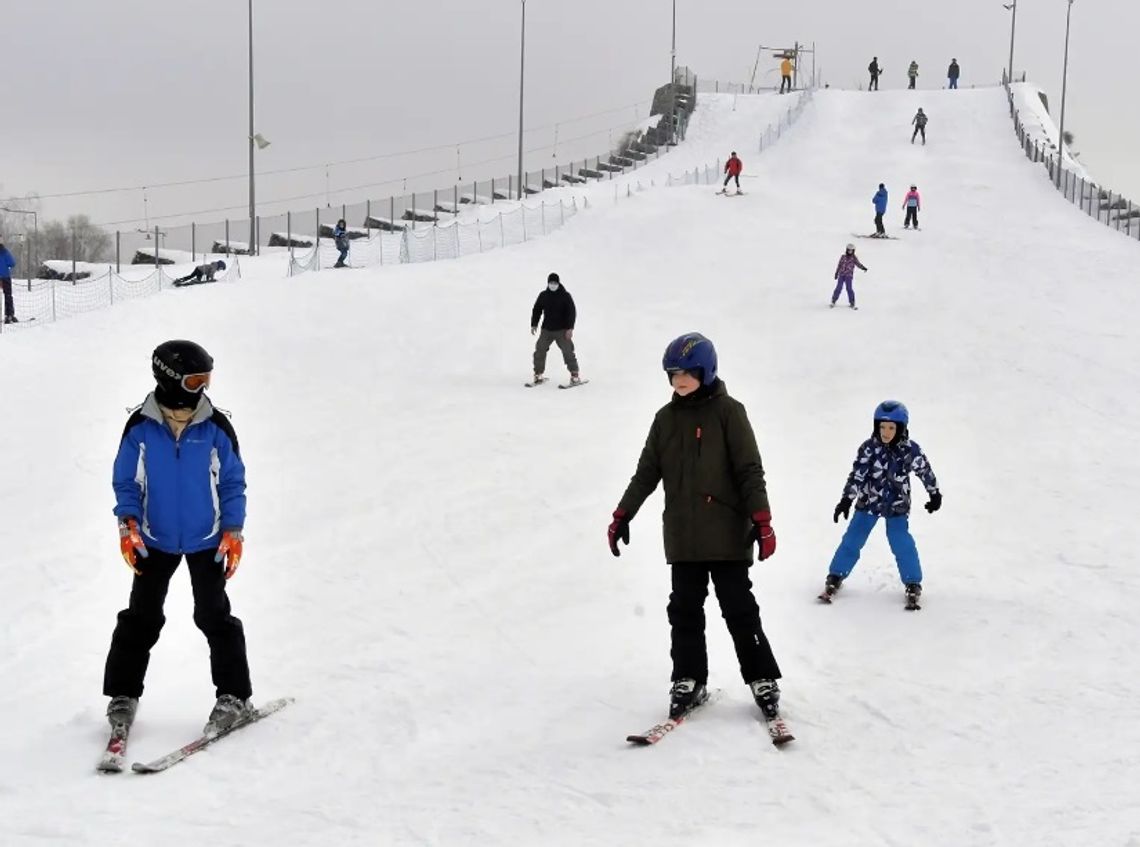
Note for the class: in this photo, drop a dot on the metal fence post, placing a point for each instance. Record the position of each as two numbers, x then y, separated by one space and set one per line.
118 247
256 246
368 217
289 236
74 248
492 191
455 200
435 204
413 211
392 210
227 236
194 242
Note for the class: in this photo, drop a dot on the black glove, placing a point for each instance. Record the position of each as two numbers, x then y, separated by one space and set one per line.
619 529
935 502
843 508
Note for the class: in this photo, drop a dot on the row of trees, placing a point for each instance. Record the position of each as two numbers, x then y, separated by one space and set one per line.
75 238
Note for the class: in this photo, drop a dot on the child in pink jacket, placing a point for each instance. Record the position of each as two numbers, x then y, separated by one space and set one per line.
912 203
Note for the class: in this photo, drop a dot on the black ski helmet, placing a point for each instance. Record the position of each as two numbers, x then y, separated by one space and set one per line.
178 367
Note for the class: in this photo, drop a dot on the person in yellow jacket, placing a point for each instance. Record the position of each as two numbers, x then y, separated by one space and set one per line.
786 69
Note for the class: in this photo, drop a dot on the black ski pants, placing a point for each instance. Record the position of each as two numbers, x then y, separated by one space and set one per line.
911 216
917 130
874 83
731 177
785 84
9 303
141 622
741 614
879 228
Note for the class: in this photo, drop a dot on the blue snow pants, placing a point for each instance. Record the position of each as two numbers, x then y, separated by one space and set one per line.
898 536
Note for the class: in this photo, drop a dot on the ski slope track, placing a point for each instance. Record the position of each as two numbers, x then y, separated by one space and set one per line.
425 566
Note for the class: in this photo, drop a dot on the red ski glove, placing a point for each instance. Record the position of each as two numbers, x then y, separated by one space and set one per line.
131 543
762 533
229 551
619 529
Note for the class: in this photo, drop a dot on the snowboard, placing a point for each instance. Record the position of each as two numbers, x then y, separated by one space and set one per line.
536 382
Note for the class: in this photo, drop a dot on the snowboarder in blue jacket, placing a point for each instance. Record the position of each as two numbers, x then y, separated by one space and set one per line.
340 236
880 201
879 487
7 265
179 484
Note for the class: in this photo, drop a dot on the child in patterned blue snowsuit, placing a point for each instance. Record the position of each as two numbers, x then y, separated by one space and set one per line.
879 487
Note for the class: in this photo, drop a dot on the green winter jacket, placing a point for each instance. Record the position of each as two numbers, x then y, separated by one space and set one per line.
704 451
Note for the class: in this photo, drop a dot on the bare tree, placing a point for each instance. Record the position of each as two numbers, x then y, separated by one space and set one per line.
91 244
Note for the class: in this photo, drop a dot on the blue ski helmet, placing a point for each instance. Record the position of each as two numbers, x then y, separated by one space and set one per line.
691 352
220 265
892 410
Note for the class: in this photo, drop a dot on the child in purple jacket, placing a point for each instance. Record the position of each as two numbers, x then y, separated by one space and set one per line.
844 273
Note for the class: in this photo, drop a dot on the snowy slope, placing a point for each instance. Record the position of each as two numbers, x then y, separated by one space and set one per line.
426 571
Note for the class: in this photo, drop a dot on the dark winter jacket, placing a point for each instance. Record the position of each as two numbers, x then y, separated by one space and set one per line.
556 309
340 236
953 72
848 262
703 450
880 201
912 71
919 119
7 263
879 482
183 492
874 68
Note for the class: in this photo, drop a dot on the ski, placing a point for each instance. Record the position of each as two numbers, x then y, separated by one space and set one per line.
657 732
112 758
536 382
878 237
778 731
203 741
574 384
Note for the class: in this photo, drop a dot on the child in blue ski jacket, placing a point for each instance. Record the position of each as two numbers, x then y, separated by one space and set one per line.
340 236
880 201
879 487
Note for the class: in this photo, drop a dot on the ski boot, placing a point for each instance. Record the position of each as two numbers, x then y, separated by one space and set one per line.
121 712
575 379
832 306
767 695
833 583
228 711
913 593
686 695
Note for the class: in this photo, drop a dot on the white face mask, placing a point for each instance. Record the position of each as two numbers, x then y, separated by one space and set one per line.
552 286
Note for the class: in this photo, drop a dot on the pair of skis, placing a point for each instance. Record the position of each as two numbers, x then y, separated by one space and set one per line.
577 384
114 756
912 600
778 730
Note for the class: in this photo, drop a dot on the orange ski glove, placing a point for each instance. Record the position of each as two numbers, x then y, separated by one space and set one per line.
131 543
229 551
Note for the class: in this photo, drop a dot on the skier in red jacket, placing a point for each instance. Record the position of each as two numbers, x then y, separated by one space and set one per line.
732 169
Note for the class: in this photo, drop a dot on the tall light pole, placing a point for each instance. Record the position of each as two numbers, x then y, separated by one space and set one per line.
673 52
522 77
1064 90
252 143
1012 31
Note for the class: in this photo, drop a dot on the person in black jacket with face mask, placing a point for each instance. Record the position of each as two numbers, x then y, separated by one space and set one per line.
556 309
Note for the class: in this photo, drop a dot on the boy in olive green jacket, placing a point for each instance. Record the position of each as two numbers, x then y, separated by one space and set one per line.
702 448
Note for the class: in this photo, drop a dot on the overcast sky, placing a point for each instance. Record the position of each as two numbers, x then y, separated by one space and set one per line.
138 92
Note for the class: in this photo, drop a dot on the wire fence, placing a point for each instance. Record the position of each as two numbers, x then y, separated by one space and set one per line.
40 301
1106 206
450 240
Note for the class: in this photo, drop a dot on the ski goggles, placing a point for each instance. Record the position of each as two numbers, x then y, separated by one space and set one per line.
195 383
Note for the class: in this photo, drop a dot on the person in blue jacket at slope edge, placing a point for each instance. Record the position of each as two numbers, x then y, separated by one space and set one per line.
880 201
7 265
879 487
179 484
340 237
